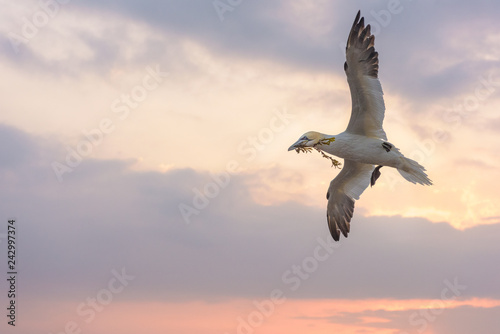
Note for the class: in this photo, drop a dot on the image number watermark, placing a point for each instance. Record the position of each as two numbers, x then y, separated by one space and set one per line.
11 272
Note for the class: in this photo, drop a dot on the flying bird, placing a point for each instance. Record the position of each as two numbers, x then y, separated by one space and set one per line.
363 145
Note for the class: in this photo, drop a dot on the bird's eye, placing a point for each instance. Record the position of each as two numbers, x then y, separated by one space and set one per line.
304 138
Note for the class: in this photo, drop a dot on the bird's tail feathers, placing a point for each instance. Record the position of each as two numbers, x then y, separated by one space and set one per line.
414 172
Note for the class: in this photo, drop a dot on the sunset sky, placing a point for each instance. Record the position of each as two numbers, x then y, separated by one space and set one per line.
143 154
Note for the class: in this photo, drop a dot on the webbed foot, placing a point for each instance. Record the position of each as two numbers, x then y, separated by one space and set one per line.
375 175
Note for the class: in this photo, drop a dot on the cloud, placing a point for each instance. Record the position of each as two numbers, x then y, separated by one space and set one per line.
106 215
303 36
265 227
16 147
284 34
456 320
250 24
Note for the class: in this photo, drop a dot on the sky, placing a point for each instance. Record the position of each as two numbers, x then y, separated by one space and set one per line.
143 157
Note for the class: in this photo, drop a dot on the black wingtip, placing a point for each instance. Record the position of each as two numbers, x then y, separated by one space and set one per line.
358 21
334 231
362 38
345 233
358 15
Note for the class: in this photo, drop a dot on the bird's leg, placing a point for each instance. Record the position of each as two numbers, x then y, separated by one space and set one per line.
375 175
386 146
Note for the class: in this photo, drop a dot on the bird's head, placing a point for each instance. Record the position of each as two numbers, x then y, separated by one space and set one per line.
308 139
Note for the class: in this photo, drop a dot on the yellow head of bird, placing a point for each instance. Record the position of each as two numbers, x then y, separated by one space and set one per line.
308 139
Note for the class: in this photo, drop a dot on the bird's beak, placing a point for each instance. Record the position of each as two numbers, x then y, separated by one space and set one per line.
297 144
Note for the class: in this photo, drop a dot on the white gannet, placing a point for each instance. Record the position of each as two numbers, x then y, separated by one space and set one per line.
363 145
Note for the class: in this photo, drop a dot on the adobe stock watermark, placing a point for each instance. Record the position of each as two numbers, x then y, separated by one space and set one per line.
422 318
223 6
247 149
121 106
31 25
291 279
88 309
486 86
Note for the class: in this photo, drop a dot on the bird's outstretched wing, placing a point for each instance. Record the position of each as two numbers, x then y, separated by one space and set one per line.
361 68
349 184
